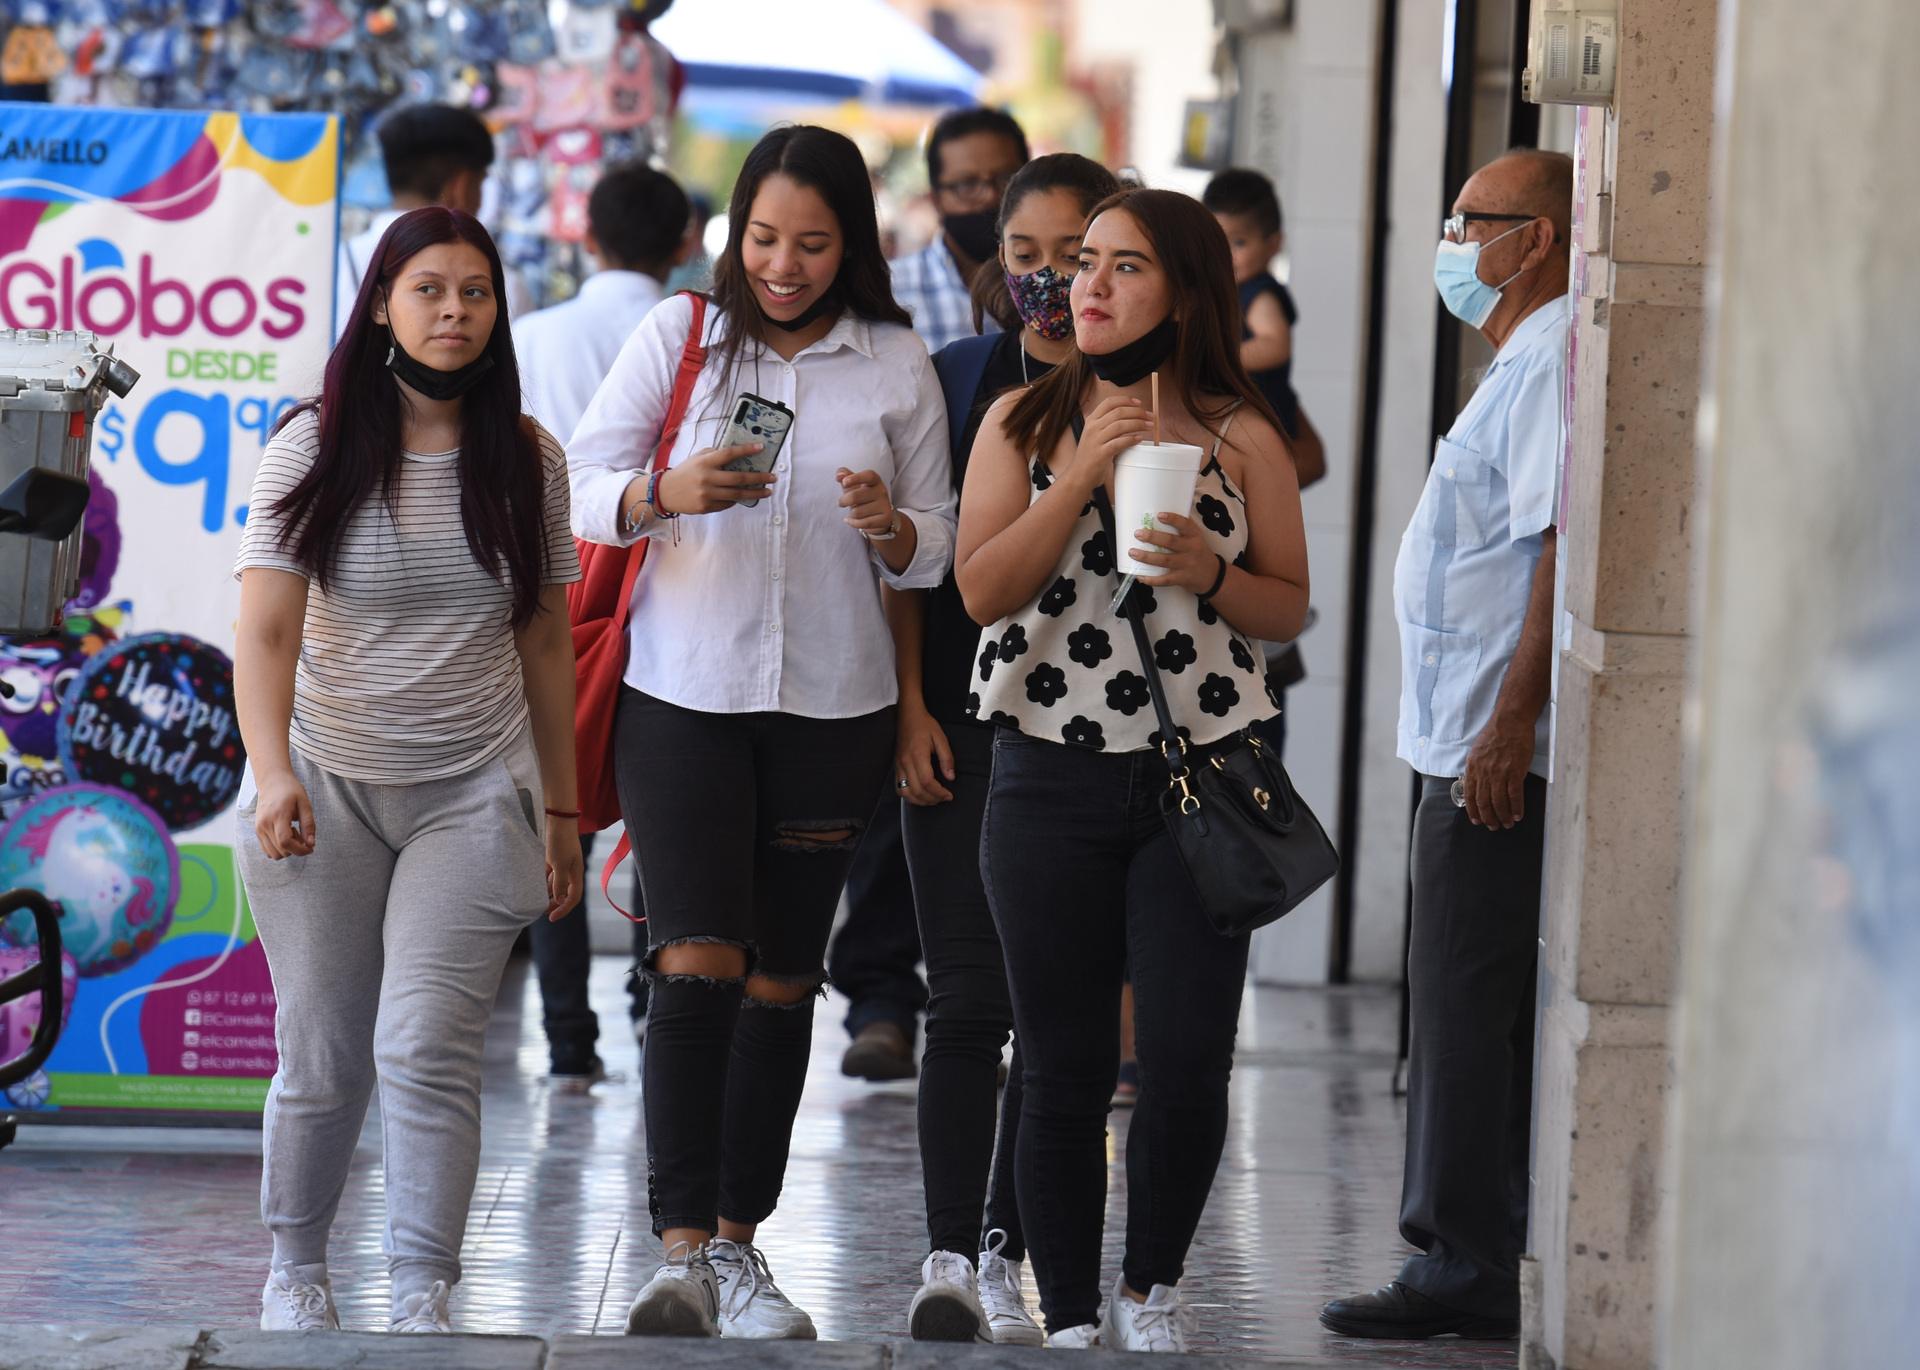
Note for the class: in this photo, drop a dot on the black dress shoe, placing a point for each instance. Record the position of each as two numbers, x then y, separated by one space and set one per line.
1401 1313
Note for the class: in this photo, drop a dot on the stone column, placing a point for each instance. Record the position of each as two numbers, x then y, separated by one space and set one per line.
1796 1216
1614 842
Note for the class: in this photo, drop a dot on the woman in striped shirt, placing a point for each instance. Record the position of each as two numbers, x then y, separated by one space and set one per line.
404 680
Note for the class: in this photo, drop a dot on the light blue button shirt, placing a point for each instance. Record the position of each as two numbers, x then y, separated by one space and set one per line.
1465 571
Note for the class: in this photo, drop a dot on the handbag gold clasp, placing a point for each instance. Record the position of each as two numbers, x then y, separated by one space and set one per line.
1189 801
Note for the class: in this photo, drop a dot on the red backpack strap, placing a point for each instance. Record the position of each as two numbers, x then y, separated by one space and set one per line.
620 851
693 360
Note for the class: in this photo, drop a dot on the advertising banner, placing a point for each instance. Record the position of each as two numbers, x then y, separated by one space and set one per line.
201 247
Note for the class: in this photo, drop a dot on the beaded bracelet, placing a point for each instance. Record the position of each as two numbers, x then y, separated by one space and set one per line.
653 496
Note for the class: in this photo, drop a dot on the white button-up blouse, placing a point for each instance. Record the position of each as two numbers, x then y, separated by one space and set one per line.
777 607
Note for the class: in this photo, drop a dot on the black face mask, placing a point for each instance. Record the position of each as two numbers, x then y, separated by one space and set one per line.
976 234
1139 358
435 385
828 301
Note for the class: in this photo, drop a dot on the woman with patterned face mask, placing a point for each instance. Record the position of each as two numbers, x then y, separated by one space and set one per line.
941 770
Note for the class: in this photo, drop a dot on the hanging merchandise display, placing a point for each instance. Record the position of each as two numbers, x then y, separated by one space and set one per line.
534 70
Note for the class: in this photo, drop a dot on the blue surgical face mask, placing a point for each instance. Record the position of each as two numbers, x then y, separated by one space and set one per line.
1456 272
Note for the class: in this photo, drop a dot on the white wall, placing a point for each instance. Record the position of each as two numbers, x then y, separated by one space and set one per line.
1386 783
1169 46
1307 105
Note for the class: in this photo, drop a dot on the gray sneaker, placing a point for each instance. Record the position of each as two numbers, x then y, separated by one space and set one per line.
424 1312
298 1298
681 1300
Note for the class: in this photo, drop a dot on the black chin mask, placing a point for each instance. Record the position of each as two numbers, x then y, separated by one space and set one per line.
435 385
1138 359
828 301
976 234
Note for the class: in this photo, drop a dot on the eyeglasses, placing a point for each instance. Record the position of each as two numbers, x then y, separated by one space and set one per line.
1454 229
975 188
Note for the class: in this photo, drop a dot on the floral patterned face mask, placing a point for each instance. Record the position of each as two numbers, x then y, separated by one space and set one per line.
1044 300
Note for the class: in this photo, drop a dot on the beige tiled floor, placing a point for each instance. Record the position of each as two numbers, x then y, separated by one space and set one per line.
149 1226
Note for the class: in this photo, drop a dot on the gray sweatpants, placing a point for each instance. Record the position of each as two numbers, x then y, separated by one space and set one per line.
387 946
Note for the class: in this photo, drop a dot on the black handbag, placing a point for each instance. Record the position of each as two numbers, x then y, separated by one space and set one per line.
1250 845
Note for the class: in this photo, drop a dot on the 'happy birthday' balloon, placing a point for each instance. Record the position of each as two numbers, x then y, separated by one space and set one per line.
153 715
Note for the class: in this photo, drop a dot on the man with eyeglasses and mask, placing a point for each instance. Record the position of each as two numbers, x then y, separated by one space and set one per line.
971 155
1473 595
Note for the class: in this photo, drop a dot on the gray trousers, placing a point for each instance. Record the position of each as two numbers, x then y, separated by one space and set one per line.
387 946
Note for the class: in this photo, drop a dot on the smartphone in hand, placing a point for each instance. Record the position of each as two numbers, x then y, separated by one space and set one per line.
756 420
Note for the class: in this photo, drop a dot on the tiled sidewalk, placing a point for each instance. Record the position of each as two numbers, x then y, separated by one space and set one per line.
150 1226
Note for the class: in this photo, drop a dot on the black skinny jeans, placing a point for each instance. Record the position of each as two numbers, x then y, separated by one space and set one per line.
727 814
562 959
969 1014
1083 880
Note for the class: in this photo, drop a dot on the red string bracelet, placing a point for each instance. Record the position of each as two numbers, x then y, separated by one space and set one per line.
563 813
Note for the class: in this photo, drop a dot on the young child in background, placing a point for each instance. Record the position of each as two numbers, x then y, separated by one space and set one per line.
1249 213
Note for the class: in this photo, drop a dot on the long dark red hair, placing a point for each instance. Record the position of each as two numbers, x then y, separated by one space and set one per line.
502 486
1205 365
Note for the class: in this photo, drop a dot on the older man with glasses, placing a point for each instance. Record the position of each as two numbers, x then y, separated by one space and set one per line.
971 155
1473 594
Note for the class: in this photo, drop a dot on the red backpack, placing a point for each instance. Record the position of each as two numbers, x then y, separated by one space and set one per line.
598 604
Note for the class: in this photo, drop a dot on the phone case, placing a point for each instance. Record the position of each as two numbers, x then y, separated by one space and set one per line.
756 420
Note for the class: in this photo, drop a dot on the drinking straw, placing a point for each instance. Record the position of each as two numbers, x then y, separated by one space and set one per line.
1126 581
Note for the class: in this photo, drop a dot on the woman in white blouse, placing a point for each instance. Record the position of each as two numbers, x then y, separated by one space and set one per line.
757 723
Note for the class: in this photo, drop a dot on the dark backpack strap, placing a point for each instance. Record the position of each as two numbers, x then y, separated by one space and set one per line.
961 365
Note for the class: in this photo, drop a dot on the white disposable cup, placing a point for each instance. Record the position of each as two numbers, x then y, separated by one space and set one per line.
1150 478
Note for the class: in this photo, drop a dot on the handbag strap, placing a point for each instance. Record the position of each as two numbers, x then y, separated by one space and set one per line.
693 360
1171 747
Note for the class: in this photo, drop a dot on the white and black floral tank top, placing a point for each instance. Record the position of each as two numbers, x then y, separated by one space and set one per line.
1064 667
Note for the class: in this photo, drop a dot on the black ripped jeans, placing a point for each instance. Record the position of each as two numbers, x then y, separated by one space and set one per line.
735 822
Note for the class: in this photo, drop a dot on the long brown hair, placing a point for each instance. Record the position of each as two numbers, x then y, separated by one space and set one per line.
830 164
1205 364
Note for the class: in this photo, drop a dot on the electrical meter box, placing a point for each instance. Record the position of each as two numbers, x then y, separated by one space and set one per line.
1572 46
52 384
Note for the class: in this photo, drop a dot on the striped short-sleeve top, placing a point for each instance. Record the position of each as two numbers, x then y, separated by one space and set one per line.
1065 668
408 670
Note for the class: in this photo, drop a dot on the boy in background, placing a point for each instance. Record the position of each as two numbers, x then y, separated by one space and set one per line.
1249 213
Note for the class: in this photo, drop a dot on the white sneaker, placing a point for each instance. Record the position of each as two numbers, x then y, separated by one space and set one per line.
1162 1323
947 1304
298 1298
1005 1302
681 1300
750 1303
424 1312
1085 1337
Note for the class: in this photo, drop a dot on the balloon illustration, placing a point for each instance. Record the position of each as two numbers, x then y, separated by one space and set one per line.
153 715
39 669
99 545
19 1019
105 860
